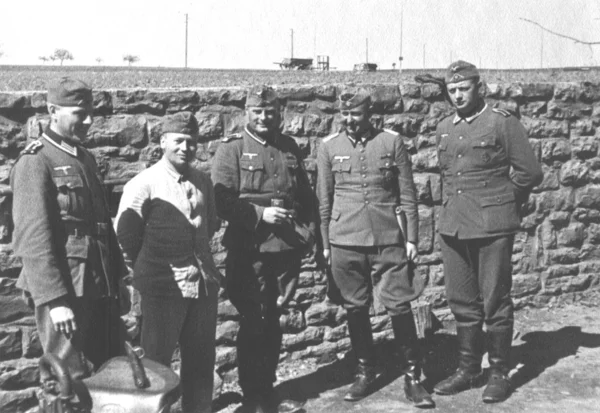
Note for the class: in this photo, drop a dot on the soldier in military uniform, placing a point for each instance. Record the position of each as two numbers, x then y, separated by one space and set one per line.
262 190
64 236
365 180
488 169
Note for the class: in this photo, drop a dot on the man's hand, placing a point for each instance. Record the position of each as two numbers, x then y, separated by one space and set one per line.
327 256
63 319
276 215
411 251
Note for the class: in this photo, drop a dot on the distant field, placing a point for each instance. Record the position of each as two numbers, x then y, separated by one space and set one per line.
37 77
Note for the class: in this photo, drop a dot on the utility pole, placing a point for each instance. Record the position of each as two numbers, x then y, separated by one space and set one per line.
401 58
367 50
541 48
186 39
292 40
424 44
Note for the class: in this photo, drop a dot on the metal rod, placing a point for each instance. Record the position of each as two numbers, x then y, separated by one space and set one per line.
186 40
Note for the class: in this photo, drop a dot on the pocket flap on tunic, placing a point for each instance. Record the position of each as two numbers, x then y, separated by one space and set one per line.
342 167
497 199
77 247
251 165
484 142
69 181
443 145
291 162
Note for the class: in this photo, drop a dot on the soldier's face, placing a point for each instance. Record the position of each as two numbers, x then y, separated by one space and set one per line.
178 149
263 120
464 95
72 122
356 120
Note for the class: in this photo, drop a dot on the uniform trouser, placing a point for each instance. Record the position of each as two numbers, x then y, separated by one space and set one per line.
361 272
99 335
257 285
192 322
478 277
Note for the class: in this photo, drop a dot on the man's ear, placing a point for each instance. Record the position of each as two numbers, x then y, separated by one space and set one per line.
162 142
52 109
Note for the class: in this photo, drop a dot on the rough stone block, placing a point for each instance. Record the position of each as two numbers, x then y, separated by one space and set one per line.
426 160
525 284
11 302
15 100
210 125
537 91
293 124
562 256
436 275
426 229
422 183
533 109
574 173
431 91
438 111
292 321
560 200
407 125
586 215
588 197
585 147
566 91
135 102
317 125
303 93
17 401
226 358
550 182
123 170
234 96
320 314
555 150
10 343
19 374
416 106
118 130
589 92
545 128
312 294
227 332
380 323
560 110
308 337
226 311
593 231
572 236
325 92
335 333
410 90
12 137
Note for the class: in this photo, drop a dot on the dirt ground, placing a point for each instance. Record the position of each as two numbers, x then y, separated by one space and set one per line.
556 366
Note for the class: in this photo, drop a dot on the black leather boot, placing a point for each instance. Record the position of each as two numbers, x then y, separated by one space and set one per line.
498 386
361 337
405 335
470 352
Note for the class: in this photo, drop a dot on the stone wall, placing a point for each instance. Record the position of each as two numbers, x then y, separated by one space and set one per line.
557 254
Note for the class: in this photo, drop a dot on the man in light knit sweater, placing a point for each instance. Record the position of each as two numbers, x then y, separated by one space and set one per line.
165 221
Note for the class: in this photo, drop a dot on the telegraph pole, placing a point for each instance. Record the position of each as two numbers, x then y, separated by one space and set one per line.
424 44
292 40
367 50
186 39
401 58
541 48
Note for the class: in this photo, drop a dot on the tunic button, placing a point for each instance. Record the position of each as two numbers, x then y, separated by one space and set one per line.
251 167
387 164
364 184
364 175
275 175
459 173
460 155
460 191
482 143
364 168
460 137
366 202
498 199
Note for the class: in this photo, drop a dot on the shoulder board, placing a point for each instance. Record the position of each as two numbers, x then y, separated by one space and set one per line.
390 131
232 137
502 112
32 148
330 137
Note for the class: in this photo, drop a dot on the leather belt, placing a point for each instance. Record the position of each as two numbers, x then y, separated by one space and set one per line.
97 229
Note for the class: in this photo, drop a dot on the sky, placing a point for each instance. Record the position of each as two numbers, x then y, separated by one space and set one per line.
238 34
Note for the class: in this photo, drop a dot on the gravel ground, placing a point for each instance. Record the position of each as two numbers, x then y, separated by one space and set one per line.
556 360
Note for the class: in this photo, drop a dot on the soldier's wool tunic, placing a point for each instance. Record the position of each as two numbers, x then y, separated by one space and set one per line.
488 169
263 260
360 186
65 239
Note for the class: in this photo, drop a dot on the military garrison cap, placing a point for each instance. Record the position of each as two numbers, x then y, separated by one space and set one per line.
461 70
181 122
262 96
350 100
69 92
